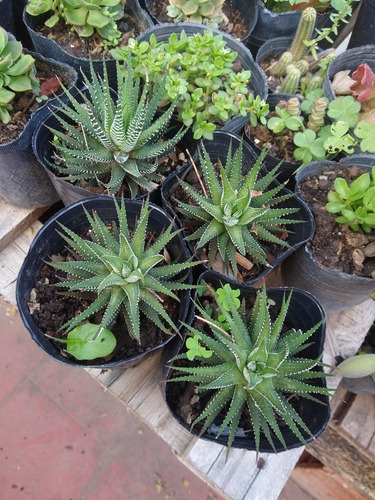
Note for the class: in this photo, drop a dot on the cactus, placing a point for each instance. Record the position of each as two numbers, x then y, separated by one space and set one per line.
304 32
318 114
303 66
291 81
279 68
313 83
196 11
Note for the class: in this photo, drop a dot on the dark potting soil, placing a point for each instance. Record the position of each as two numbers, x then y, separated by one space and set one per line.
232 20
189 225
50 310
25 103
334 245
91 46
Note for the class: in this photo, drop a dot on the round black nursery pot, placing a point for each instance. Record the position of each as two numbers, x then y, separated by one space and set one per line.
48 242
364 27
50 48
298 233
334 289
258 83
248 9
23 181
6 15
304 312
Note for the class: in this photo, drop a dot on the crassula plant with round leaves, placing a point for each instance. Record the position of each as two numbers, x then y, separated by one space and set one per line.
247 361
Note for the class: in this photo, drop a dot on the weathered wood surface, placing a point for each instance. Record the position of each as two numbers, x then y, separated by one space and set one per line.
240 478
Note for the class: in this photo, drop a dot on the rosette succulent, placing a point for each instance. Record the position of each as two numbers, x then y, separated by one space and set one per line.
17 73
113 143
248 361
125 268
237 212
196 11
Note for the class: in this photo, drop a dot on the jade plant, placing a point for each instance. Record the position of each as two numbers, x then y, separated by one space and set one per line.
355 202
17 74
199 68
113 142
248 361
236 212
86 17
196 11
129 273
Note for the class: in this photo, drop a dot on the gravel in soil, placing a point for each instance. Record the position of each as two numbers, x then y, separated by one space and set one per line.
334 245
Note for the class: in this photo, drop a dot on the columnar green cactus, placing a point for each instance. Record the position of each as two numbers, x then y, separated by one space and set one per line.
303 33
303 66
317 114
196 11
17 73
291 80
279 68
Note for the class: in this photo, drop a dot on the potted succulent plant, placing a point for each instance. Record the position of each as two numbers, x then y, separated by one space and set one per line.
300 131
75 32
280 19
236 17
337 265
241 223
96 272
249 374
211 70
28 86
97 142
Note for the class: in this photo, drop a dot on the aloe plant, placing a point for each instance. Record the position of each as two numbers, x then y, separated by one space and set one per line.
196 11
86 17
126 270
114 143
237 212
17 73
247 361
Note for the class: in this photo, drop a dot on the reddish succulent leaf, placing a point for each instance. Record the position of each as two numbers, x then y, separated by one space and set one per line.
364 87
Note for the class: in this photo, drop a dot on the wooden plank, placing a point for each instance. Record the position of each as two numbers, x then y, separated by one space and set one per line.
359 421
14 220
11 259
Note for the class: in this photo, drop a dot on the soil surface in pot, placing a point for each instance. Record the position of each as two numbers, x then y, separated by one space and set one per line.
232 20
334 245
50 310
246 269
92 46
25 103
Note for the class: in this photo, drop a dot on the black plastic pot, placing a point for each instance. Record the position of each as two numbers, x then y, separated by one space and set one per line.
6 16
44 150
258 81
272 25
287 169
363 32
348 60
49 48
298 234
48 242
334 289
23 181
247 8
304 312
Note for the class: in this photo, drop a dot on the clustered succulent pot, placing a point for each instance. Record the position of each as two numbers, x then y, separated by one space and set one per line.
211 121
